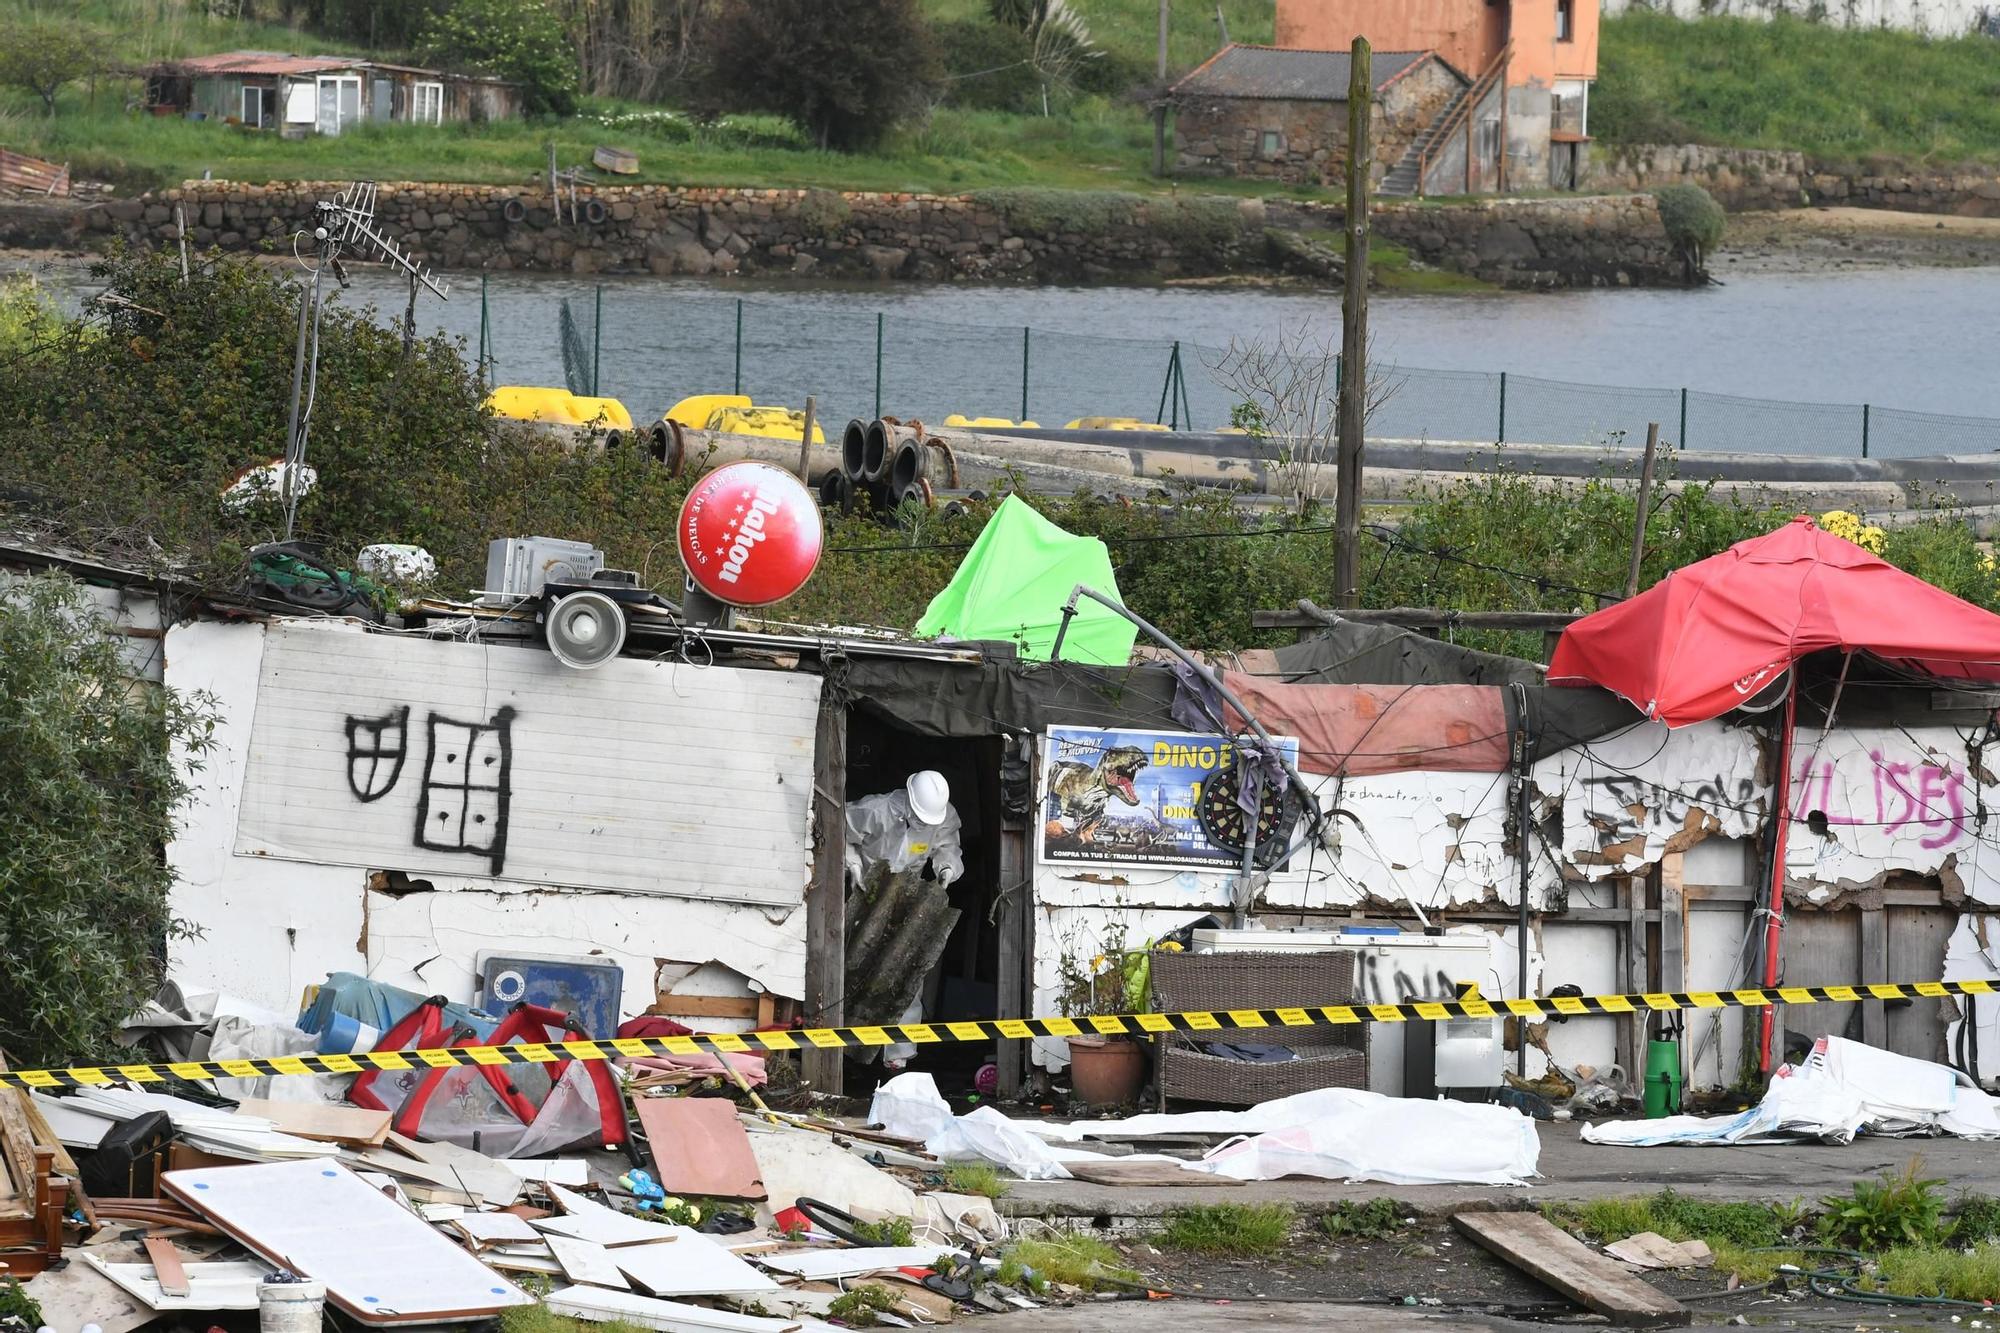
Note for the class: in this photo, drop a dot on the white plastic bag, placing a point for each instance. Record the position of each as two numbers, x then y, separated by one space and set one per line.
1396 1140
909 1105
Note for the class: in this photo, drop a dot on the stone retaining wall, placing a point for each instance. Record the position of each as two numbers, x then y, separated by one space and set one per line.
1033 236
1743 179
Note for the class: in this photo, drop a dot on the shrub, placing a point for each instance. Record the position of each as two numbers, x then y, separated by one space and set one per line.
1894 1211
521 40
987 66
1046 212
823 213
1692 219
87 762
847 74
1199 228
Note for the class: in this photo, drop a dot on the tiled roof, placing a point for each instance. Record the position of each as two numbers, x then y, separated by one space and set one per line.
1279 73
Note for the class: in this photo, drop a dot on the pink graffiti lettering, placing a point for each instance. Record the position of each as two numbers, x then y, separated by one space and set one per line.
1907 792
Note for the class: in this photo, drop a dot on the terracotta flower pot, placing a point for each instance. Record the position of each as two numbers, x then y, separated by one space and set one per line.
1106 1071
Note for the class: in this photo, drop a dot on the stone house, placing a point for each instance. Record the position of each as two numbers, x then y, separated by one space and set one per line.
1530 62
299 95
1282 114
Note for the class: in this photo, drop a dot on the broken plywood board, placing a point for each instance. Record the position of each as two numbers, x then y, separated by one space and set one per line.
688 1264
799 1161
380 1263
586 1263
1649 1249
324 1121
219 1286
484 1229
1544 1251
1112 1171
584 1219
571 1171
600 1306
700 1147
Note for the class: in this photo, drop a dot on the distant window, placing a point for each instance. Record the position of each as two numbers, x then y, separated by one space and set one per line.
1565 20
428 108
1273 143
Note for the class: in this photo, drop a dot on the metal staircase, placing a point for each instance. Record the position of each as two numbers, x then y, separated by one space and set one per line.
1406 178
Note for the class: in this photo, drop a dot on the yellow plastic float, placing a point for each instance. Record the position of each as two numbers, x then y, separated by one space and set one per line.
989 423
1114 423
733 414
521 402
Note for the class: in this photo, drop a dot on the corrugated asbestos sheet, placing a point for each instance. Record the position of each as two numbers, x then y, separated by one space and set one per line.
426 756
1278 74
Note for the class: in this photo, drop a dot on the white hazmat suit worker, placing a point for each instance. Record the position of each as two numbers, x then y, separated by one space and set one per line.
900 830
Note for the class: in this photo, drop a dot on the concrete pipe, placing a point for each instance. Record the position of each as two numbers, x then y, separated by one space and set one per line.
917 492
906 466
853 448
660 442
829 487
877 445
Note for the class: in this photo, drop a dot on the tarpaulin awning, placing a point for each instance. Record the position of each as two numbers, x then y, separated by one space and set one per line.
1713 635
1013 584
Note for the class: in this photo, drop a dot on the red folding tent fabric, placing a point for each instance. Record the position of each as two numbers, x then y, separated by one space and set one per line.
1710 636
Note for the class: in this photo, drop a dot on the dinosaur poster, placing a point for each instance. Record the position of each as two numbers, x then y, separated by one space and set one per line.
1112 796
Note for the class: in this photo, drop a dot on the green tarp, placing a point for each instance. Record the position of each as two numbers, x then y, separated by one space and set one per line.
1012 586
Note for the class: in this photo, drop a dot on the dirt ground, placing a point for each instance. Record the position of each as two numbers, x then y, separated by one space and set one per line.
1816 240
1429 1268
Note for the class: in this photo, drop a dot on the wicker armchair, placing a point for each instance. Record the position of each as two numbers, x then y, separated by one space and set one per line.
1329 1057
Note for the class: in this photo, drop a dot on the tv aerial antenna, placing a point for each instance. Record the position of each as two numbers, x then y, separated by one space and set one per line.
344 225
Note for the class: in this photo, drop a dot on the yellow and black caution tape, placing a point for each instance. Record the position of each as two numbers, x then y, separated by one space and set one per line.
986 1030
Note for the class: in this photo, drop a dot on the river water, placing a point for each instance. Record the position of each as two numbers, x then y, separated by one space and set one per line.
1915 339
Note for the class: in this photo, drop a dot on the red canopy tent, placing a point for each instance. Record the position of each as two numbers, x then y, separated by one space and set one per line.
1714 635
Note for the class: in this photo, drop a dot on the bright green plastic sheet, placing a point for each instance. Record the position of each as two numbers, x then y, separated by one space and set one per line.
1012 586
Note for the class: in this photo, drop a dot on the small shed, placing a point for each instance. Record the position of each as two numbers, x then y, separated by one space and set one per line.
1282 115
321 94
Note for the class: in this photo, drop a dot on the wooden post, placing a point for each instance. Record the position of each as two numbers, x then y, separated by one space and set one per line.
1160 99
826 898
1353 330
806 443
1645 498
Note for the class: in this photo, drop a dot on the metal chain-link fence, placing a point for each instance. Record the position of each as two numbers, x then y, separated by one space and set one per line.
655 351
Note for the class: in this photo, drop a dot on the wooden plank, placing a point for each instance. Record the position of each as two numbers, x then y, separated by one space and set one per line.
826 897
322 1121
1144 1173
172 1277
699 1147
1549 1254
705 1006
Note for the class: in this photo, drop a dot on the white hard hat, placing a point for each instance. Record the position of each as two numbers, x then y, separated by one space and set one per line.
930 796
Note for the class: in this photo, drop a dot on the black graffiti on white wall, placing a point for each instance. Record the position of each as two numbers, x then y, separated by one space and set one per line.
376 748
468 778
1371 987
1662 809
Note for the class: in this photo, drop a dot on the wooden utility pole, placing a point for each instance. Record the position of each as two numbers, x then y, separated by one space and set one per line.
1160 99
1353 330
1645 503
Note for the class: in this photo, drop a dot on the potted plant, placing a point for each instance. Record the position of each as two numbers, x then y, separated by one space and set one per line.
1104 1071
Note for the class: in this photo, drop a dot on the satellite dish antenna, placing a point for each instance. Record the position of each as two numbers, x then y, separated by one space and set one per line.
346 223
584 629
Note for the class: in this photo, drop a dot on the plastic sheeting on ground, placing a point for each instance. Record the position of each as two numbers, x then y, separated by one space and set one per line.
910 1105
1333 1134
1841 1089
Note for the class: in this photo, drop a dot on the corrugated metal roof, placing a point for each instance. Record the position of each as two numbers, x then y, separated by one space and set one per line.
261 62
1278 73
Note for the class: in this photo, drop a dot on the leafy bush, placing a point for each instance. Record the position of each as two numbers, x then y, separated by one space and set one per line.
1350 1219
1032 209
1692 219
1941 549
1896 1210
519 40
823 213
92 790
987 66
1975 1220
1199 228
847 74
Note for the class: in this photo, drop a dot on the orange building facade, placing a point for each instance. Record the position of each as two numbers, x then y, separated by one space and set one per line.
1531 63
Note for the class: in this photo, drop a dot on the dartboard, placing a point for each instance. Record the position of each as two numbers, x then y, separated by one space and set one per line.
1222 819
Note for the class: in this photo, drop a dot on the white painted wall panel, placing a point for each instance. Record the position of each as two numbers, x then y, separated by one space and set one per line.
376 750
1937 18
